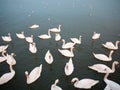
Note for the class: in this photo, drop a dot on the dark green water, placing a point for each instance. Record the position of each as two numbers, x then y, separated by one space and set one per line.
77 17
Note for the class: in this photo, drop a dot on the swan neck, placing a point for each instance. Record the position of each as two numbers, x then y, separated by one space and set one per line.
59 27
80 39
11 68
116 45
106 75
63 42
113 67
110 55
49 33
71 50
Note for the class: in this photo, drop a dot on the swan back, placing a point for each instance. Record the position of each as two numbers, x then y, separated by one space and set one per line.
49 57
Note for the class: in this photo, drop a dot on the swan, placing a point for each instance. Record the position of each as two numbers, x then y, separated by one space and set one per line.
29 39
84 83
45 36
10 59
104 57
69 67
32 47
7 38
49 57
67 53
57 37
34 26
34 74
54 86
56 30
3 57
3 48
110 45
67 45
20 35
100 68
111 85
96 35
7 76
77 41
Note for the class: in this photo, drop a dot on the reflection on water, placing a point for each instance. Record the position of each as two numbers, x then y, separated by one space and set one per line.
77 17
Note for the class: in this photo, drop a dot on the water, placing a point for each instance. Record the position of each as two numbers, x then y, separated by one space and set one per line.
77 17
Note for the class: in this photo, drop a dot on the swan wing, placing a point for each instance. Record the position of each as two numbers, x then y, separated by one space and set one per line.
101 56
75 40
54 87
66 53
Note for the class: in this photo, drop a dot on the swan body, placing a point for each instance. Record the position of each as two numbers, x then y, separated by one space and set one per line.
111 85
101 68
34 74
32 47
104 57
7 76
69 67
3 48
57 37
67 45
34 26
29 39
54 86
10 59
110 45
67 53
3 57
56 30
7 38
96 36
20 35
45 36
77 41
49 57
84 83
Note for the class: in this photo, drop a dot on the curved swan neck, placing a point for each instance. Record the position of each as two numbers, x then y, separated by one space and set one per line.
113 67
71 49
11 68
49 33
63 41
59 27
110 55
116 44
106 75
80 38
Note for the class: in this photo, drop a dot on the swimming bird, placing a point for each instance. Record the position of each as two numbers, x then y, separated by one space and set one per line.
20 35
110 85
56 30
103 57
77 41
3 48
7 76
7 38
101 68
3 57
33 75
49 57
34 26
54 86
85 83
67 53
57 37
45 36
32 47
10 59
110 45
67 45
96 35
29 39
69 67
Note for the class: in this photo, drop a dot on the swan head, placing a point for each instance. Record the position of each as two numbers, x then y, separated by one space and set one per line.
9 34
26 73
74 80
117 41
116 63
13 54
56 81
22 32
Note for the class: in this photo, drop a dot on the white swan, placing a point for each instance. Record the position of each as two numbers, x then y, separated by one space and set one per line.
49 57
3 57
110 45
57 37
20 35
54 86
67 45
67 53
7 76
10 59
96 35
32 47
77 41
45 36
7 38
103 57
84 83
101 68
56 30
29 39
34 74
3 48
69 67
111 85
34 26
